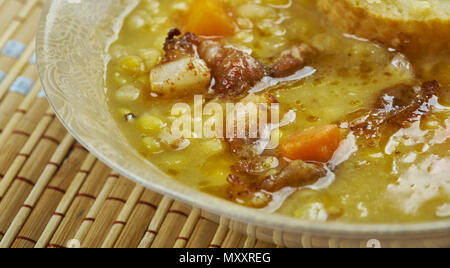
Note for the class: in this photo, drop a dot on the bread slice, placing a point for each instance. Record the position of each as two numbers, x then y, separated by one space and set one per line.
408 25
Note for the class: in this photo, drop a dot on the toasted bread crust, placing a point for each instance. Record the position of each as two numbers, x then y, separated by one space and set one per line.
412 35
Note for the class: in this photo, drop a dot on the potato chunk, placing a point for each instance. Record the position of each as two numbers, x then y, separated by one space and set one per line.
188 75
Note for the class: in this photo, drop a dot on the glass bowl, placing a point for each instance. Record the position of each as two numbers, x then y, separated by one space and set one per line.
73 38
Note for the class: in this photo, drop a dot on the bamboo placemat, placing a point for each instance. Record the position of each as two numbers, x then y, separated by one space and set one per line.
53 193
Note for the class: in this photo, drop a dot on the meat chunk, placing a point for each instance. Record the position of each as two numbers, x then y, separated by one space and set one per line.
246 193
261 176
244 147
395 108
180 77
181 71
292 60
256 165
187 45
295 174
234 71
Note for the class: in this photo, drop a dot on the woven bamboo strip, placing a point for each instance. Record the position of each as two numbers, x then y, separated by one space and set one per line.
50 199
36 192
96 208
19 114
277 237
137 224
250 241
203 233
123 217
35 122
12 100
71 218
234 239
156 222
6 63
171 226
188 228
27 30
8 12
26 179
211 217
262 244
25 151
109 212
7 108
16 69
25 35
63 206
220 234
15 25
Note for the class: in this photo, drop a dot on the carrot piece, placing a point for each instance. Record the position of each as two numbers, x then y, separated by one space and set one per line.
208 18
312 144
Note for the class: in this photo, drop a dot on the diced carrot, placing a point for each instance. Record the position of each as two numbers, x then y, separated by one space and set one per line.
208 18
312 144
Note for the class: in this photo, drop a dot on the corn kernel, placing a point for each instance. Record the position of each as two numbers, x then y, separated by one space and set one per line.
132 64
180 6
255 11
152 6
312 211
135 22
127 93
174 163
244 37
151 144
270 27
151 57
244 23
150 124
277 133
212 147
362 49
120 79
159 21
